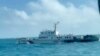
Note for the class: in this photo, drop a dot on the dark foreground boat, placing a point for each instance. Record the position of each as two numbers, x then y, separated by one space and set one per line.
99 5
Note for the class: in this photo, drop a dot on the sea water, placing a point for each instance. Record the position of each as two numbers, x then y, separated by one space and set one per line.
8 47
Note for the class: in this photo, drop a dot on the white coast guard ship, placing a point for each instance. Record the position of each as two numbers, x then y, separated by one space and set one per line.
52 36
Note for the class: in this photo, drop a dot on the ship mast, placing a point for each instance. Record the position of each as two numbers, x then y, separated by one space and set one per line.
55 26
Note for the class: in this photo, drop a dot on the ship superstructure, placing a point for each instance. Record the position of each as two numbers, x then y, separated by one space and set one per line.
49 34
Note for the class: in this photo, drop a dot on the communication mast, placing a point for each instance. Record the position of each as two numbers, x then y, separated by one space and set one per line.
55 26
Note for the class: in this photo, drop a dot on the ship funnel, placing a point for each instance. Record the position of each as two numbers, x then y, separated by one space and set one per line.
55 26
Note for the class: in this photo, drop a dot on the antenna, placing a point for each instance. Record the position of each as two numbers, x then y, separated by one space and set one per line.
55 26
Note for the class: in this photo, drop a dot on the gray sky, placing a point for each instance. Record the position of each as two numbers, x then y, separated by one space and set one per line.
26 18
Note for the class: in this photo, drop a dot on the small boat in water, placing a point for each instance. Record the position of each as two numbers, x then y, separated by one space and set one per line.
24 41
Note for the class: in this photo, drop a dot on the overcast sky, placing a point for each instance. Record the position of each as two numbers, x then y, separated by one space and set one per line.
25 18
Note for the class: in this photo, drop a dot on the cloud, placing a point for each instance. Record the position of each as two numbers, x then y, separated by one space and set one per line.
69 15
42 14
21 14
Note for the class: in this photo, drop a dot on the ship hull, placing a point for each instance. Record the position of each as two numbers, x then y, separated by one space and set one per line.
86 38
